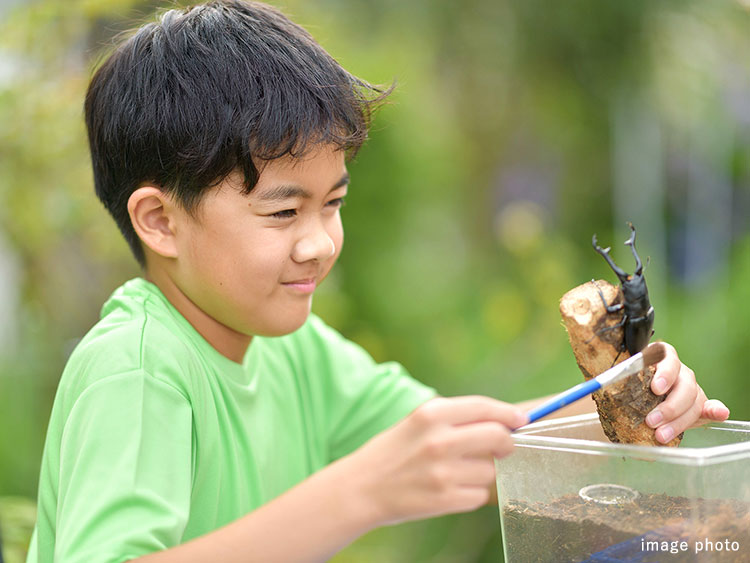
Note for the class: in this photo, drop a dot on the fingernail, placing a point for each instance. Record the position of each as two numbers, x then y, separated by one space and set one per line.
665 434
654 418
660 385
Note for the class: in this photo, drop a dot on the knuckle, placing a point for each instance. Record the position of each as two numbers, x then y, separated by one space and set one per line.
435 448
668 410
438 478
425 415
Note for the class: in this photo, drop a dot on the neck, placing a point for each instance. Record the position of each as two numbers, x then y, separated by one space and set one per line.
225 340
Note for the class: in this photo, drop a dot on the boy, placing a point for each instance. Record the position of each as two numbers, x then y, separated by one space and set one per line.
209 416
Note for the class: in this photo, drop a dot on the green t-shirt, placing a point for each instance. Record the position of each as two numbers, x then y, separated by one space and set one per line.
155 438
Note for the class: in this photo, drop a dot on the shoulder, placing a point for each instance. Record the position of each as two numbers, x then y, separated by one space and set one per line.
134 335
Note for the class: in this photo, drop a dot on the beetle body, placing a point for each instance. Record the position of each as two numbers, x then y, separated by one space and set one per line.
638 314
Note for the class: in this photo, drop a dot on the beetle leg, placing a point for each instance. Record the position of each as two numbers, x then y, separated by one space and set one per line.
638 319
607 329
620 351
619 324
612 327
610 308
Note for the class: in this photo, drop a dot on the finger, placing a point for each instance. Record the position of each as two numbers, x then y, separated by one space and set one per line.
481 439
667 371
714 409
464 499
469 409
680 399
667 432
475 472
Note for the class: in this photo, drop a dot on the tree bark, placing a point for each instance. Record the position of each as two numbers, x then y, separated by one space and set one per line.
622 406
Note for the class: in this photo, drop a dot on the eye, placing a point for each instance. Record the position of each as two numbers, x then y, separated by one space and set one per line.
337 203
285 214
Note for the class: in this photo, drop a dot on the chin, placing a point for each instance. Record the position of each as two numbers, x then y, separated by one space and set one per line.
285 324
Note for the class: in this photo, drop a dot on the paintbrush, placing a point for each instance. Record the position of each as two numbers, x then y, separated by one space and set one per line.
652 354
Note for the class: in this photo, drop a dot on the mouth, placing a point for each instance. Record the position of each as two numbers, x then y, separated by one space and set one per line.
306 285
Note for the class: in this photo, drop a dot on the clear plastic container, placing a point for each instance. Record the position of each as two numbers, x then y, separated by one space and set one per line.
568 494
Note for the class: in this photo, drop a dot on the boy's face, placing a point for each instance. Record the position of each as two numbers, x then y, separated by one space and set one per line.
252 262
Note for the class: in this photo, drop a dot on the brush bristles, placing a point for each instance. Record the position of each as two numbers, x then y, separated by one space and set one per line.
654 353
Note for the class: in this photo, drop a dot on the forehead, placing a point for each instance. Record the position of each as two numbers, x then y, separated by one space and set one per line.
317 172
317 160
323 168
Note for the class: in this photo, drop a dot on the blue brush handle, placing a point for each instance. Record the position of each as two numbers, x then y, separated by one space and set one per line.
564 398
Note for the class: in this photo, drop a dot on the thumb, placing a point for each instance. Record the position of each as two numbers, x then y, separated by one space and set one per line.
713 409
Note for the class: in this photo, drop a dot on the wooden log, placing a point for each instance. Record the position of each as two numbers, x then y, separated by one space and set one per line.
623 406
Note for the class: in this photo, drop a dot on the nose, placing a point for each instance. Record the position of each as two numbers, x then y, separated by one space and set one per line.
315 243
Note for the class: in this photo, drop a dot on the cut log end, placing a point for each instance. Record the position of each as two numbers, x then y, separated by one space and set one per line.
596 341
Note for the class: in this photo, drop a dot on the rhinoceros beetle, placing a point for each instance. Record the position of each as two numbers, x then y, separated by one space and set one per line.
638 317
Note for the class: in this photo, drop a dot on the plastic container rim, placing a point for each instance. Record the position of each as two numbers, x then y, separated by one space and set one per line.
526 437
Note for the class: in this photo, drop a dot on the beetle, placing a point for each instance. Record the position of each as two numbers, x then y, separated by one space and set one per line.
638 316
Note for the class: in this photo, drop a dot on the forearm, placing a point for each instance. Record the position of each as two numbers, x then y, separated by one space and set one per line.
310 522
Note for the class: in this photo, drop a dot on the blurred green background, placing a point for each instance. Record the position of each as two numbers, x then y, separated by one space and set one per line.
518 129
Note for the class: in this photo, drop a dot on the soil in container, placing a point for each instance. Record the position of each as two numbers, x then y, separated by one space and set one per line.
650 528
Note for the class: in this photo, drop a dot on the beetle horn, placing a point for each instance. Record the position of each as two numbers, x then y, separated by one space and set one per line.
605 252
631 243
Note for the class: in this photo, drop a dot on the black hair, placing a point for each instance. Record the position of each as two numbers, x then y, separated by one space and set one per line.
212 89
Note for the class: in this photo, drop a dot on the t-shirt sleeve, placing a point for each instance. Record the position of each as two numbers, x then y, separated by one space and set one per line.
361 397
125 471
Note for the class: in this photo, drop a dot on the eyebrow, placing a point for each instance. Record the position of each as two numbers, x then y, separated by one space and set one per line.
288 191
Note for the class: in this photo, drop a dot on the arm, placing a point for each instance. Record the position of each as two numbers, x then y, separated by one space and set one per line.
438 460
686 404
310 522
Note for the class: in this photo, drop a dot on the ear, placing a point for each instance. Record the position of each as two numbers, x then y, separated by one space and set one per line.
152 213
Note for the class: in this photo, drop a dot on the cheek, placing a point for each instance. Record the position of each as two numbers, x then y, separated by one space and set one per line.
231 259
259 259
202 248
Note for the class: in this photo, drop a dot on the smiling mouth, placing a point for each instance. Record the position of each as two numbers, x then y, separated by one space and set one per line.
303 286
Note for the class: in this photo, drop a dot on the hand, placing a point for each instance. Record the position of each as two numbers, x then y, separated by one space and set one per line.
438 460
686 404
